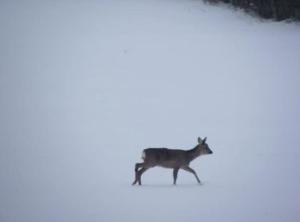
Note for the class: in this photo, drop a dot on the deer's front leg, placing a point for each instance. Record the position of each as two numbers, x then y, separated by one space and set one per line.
175 173
187 168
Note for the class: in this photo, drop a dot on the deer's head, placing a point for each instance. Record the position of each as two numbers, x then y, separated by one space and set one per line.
203 147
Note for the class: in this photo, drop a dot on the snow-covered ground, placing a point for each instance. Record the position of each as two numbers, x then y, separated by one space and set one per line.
86 85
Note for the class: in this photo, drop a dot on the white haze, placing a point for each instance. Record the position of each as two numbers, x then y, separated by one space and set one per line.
86 85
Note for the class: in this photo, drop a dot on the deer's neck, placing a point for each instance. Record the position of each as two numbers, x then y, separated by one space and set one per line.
193 153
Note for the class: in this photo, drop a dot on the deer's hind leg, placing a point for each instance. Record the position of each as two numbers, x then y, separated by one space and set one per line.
139 174
136 169
137 166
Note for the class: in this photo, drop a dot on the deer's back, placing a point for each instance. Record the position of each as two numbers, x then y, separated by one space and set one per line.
169 158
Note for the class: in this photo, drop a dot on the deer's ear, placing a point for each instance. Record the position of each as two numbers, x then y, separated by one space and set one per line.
204 140
199 140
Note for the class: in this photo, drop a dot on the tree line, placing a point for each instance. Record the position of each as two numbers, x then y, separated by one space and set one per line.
276 9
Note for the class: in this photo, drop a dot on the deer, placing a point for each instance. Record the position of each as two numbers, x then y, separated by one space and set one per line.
171 158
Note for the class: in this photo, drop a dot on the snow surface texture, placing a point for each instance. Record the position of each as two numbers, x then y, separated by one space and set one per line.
86 85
